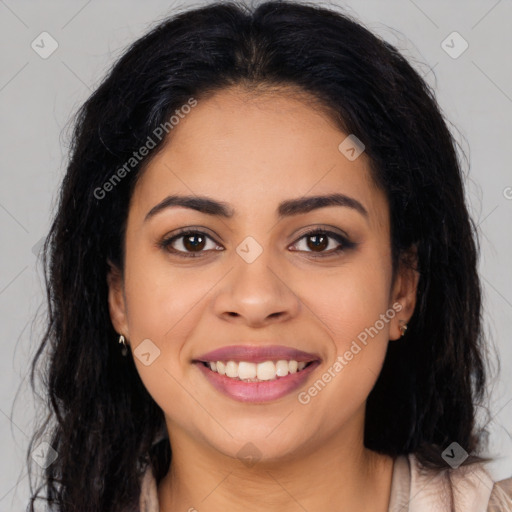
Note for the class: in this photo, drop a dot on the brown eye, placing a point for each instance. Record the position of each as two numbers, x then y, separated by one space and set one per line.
189 244
318 240
194 242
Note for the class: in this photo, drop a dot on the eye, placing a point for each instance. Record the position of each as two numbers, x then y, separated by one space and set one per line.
186 243
318 240
189 243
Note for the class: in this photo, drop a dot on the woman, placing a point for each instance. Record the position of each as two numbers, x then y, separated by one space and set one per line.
253 209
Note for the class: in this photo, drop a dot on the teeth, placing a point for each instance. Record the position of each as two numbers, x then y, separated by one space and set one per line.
254 372
231 369
282 368
266 370
221 368
246 370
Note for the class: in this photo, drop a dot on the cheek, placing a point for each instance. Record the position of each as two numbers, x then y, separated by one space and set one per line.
359 340
351 298
353 303
165 306
160 318
160 298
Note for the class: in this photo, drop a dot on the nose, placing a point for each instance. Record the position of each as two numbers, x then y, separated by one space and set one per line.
255 294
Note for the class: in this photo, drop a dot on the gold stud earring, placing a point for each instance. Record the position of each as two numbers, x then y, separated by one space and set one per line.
403 329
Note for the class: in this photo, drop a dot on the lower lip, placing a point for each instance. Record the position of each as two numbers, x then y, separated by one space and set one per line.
264 391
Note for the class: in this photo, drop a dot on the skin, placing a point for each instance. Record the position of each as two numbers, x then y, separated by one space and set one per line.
238 147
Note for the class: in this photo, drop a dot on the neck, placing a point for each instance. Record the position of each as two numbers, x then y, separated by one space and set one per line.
336 474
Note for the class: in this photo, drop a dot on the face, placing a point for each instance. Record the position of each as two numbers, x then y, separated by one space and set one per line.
278 271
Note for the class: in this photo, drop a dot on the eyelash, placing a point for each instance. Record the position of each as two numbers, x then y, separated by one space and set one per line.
345 244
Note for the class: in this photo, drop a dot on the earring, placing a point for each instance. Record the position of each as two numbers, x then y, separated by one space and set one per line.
403 329
124 349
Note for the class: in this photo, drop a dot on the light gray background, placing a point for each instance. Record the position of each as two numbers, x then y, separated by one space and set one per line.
38 97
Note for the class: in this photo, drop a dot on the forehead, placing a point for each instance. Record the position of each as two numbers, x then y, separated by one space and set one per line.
242 146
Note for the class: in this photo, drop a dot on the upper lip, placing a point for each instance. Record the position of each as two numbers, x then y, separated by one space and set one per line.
257 354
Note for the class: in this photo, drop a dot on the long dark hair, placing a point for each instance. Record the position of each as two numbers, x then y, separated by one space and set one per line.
102 421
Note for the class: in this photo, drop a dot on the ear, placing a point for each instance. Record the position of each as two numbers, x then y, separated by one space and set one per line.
116 299
404 291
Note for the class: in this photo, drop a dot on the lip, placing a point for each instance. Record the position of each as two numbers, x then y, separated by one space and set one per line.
257 354
257 392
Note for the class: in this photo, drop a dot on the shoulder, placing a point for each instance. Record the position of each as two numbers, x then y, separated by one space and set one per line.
416 488
465 488
501 496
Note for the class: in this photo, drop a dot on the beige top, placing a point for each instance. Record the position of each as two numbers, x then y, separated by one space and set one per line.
413 489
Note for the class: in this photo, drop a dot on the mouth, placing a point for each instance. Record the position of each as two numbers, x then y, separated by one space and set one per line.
256 373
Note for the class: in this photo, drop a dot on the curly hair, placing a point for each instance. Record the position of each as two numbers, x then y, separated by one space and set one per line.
102 422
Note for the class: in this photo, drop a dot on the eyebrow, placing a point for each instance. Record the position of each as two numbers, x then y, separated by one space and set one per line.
286 208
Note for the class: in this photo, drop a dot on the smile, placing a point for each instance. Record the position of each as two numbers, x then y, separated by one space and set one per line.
256 372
